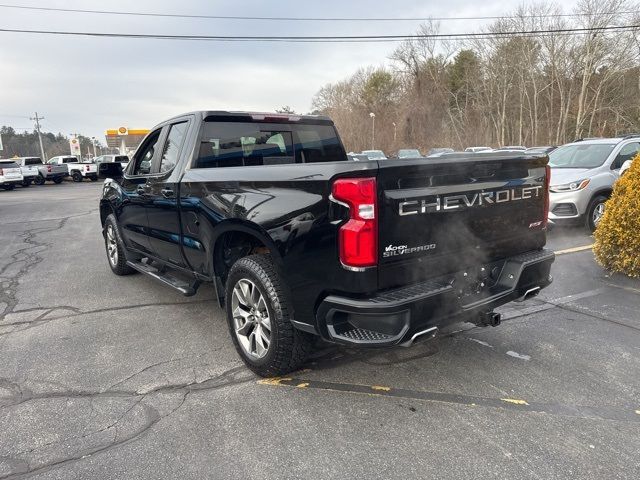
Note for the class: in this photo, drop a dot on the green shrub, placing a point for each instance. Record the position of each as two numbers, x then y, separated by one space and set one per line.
617 245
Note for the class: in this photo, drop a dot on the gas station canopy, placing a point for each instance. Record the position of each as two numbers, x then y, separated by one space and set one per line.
125 139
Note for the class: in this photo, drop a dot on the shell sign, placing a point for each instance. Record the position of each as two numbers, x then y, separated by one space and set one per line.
123 131
74 145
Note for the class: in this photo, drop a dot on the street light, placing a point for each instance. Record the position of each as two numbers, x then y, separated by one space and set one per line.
373 130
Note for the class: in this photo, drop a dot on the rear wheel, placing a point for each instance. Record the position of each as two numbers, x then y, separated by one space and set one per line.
58 180
115 247
259 313
77 177
595 211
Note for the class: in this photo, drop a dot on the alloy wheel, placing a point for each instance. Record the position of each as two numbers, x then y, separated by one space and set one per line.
251 320
112 246
598 212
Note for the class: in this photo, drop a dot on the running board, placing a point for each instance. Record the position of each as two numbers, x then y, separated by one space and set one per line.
164 276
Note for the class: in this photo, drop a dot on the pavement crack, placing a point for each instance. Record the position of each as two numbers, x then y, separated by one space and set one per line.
233 376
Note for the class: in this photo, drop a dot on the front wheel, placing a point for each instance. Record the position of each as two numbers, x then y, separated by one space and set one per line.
26 183
259 314
39 180
9 187
77 177
595 211
115 247
94 179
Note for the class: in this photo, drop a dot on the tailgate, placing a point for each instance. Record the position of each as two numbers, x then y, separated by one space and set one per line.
438 216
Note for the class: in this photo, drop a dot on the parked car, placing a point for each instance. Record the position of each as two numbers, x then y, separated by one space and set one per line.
582 178
512 148
540 150
10 174
76 170
357 157
122 159
409 153
54 173
436 152
369 254
29 168
374 154
478 149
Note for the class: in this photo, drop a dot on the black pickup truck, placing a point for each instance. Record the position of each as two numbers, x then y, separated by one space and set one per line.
299 241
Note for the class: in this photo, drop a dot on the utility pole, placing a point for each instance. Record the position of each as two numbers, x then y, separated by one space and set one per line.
37 120
373 130
93 140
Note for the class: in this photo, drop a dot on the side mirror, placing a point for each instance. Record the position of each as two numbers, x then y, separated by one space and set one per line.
110 170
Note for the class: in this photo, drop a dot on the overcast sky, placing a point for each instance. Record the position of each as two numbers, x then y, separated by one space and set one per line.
87 85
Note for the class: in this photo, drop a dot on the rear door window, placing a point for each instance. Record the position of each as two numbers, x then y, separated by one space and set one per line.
32 161
172 146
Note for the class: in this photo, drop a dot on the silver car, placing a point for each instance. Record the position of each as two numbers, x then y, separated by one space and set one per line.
582 178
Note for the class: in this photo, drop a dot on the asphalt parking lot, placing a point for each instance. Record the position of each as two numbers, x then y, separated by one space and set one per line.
121 377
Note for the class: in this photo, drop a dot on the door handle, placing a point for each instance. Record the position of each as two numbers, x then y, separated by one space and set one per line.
166 192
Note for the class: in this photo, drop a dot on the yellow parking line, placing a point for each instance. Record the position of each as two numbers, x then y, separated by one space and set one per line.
574 249
515 404
515 401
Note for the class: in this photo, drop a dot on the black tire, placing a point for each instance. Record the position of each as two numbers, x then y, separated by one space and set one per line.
94 179
117 262
58 180
288 347
595 209
9 187
26 183
77 177
39 180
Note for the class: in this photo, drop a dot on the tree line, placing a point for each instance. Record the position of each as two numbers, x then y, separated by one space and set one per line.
26 144
514 89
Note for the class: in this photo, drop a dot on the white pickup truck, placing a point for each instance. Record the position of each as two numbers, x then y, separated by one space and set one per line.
76 170
30 169
33 170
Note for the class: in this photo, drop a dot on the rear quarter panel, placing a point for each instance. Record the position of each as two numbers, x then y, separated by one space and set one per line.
288 207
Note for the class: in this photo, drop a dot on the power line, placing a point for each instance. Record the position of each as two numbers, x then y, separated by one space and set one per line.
307 19
332 38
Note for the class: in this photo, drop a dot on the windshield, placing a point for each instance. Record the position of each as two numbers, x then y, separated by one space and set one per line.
589 155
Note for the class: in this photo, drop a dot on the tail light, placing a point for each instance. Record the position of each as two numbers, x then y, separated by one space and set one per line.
358 237
547 180
1 172
49 168
87 168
